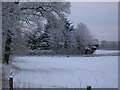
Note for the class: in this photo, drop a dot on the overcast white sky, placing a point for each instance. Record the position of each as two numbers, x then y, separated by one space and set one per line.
100 17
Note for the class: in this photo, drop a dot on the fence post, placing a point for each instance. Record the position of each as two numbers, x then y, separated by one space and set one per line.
88 87
11 82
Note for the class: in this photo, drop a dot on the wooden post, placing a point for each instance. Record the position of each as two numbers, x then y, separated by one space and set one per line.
11 82
88 87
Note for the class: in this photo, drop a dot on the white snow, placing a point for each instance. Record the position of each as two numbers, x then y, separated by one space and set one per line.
107 51
66 72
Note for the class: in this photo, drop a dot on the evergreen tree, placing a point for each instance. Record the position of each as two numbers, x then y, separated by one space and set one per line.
67 32
43 41
39 41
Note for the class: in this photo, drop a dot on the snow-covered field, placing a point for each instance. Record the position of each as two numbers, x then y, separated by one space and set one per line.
66 72
106 52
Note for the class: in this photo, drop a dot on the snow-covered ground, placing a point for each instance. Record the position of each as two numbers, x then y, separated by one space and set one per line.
106 52
66 72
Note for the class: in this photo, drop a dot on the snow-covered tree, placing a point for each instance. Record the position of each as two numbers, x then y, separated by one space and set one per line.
51 11
10 21
18 45
16 13
39 41
83 38
67 32
60 37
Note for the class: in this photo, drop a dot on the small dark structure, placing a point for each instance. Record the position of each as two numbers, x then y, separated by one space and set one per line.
91 49
87 50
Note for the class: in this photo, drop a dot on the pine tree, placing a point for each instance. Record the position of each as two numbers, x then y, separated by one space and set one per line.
43 41
40 42
67 35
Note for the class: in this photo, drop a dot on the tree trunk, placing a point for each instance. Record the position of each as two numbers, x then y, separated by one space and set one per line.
7 49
